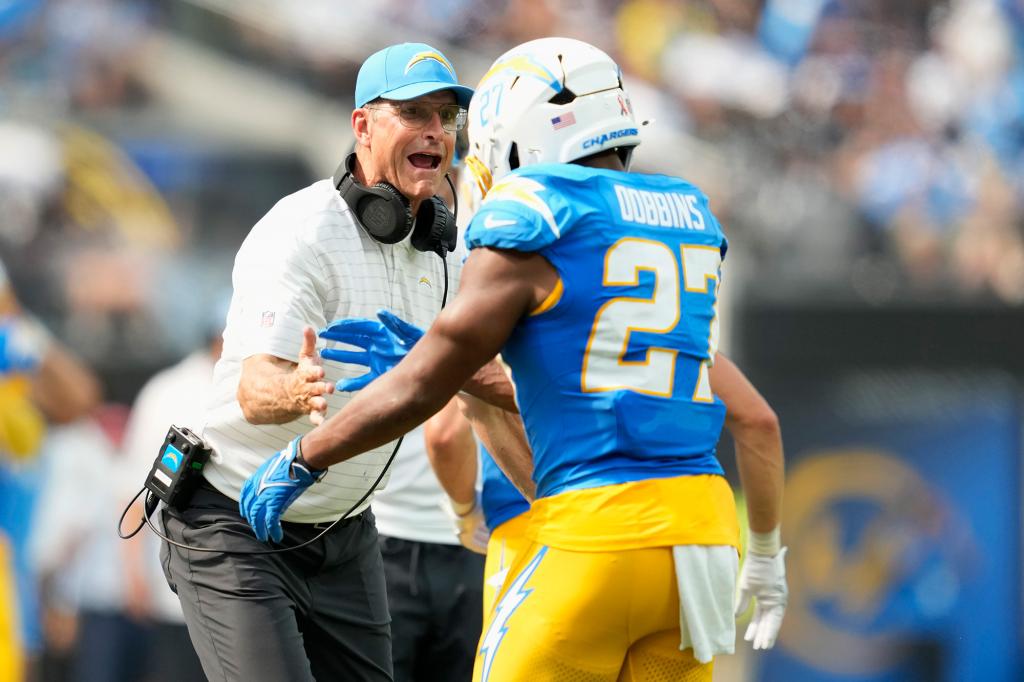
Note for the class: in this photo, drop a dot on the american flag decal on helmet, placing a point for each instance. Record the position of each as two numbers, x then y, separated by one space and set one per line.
559 122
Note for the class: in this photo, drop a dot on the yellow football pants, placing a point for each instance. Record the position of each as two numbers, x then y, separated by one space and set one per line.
11 663
508 541
587 617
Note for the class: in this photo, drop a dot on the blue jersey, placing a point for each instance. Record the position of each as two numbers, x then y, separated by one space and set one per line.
500 499
611 371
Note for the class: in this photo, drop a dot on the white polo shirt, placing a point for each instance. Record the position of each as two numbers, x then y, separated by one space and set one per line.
307 262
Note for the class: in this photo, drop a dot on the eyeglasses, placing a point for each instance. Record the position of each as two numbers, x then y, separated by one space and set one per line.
419 114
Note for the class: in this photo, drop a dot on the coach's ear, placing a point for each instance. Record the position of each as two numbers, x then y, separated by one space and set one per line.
361 125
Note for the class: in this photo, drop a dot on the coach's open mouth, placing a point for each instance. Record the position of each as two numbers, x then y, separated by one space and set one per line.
425 160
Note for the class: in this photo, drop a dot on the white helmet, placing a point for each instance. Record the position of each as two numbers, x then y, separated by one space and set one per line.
552 100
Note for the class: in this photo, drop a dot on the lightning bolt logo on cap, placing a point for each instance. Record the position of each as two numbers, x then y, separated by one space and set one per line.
432 56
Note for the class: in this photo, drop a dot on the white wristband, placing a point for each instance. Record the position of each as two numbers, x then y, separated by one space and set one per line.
767 544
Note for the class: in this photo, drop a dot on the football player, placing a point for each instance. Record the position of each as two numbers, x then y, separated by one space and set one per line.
599 287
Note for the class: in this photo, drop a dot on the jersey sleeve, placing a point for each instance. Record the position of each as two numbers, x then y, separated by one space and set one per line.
277 281
724 241
520 212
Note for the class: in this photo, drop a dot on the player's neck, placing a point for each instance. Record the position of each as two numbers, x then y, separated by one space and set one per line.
609 160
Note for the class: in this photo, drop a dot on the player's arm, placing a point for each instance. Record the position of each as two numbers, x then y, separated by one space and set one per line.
451 450
62 387
272 390
755 430
498 288
503 435
491 385
758 438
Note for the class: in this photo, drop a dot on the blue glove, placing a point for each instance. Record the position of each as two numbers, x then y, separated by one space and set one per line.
20 349
405 332
272 489
385 343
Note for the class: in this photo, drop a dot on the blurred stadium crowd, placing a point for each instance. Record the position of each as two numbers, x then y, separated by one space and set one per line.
859 150
855 149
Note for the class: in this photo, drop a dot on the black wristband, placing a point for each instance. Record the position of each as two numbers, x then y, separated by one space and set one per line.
317 473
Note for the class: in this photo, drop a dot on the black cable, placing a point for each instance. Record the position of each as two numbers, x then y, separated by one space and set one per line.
444 296
444 247
455 198
152 501
120 522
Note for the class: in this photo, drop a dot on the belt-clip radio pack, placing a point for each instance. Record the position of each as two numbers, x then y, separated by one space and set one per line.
178 467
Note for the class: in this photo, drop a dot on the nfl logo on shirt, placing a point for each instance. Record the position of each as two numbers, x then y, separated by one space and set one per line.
267 318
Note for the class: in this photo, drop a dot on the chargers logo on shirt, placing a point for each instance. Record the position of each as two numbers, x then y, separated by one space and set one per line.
525 191
432 56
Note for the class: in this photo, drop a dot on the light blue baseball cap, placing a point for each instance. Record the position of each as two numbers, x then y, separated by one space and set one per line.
407 71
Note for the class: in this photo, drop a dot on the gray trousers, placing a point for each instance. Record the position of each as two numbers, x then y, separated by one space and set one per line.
317 613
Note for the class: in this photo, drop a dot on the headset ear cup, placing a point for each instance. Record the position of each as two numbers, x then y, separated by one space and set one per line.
381 210
385 213
435 227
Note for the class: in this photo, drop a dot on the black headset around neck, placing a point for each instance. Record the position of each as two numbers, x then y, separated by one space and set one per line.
386 216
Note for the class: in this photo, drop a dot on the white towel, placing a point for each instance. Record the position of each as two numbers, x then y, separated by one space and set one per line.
706 577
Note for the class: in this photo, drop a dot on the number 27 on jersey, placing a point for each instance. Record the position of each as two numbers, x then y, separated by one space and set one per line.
604 366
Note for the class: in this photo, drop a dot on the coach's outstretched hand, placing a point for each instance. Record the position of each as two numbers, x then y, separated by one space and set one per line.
272 489
763 578
384 343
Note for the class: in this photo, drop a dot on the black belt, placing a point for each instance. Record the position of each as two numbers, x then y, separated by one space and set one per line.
207 494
